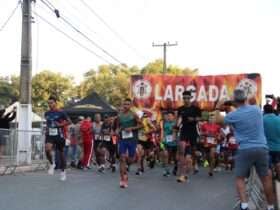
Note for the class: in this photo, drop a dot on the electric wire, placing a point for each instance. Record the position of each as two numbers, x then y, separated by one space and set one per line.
111 29
71 38
58 15
10 16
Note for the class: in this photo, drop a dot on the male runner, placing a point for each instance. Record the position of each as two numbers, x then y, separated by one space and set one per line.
128 124
56 120
188 116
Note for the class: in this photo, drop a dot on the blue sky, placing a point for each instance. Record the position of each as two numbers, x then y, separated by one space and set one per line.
217 36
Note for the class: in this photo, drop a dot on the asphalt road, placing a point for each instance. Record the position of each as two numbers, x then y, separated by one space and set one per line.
90 190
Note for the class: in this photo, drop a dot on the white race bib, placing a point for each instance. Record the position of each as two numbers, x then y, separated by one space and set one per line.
67 142
97 137
107 138
232 140
169 138
142 136
53 132
210 140
127 134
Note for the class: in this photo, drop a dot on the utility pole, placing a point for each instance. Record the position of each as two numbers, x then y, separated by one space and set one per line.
25 109
164 45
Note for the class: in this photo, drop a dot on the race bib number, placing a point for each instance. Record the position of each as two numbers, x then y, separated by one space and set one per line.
53 132
232 140
218 149
96 137
127 134
67 142
107 138
210 140
142 136
169 138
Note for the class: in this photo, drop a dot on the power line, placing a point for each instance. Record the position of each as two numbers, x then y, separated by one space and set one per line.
58 15
48 5
77 18
111 29
10 16
71 38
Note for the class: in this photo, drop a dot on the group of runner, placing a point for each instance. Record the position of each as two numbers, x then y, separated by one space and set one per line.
181 139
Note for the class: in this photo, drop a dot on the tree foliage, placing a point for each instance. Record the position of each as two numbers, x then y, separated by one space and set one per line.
48 83
9 90
110 81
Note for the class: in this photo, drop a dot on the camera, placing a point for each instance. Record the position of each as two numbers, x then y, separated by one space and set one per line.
269 96
229 103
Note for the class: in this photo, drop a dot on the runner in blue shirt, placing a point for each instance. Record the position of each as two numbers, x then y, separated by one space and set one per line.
56 121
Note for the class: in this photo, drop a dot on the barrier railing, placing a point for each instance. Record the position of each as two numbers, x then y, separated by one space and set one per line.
8 150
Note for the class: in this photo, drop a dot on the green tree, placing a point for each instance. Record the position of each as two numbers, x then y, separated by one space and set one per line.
110 81
156 67
47 83
9 90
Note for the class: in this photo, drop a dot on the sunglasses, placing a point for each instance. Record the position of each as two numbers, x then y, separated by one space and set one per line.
187 97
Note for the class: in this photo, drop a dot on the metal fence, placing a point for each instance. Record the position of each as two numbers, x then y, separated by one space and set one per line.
9 150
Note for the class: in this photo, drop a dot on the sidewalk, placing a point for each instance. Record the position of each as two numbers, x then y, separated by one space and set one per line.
7 168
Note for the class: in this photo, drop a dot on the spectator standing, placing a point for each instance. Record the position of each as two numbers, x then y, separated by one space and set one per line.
247 122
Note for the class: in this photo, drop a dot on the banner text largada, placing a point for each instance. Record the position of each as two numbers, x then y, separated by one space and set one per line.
157 91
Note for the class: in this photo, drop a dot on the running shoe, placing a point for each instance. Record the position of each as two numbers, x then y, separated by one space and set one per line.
101 169
63 176
196 171
72 164
152 163
181 179
122 184
113 167
174 172
138 172
125 181
51 169
166 173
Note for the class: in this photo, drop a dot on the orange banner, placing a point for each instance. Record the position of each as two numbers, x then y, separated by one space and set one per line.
156 92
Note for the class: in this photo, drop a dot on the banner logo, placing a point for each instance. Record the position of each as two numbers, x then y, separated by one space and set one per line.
142 89
249 86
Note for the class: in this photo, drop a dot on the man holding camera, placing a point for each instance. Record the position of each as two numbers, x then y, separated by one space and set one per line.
247 122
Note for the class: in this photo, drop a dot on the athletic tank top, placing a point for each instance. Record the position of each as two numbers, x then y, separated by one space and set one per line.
126 121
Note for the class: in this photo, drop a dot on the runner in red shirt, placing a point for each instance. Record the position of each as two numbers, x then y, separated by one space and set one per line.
211 134
87 138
